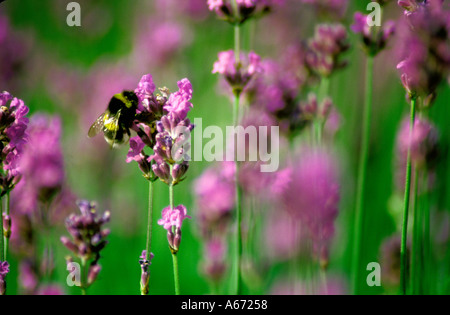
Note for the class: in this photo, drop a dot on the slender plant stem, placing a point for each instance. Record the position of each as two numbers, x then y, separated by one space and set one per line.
175 273
362 171
2 258
83 277
238 256
417 231
7 211
174 255
324 89
150 220
427 259
237 43
236 108
403 250
148 244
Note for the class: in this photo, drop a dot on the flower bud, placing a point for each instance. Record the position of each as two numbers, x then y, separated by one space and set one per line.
94 270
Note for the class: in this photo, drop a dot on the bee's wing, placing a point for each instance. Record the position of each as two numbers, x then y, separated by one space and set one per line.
97 126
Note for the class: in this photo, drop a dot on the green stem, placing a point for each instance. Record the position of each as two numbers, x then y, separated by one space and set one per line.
144 289
83 277
403 250
324 89
2 258
175 273
238 256
417 231
7 211
150 220
237 43
362 171
174 255
427 259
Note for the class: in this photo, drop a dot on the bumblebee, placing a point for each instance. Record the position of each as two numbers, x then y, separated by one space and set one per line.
116 121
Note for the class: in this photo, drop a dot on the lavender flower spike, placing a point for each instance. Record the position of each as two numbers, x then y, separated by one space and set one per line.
172 219
4 270
145 273
88 238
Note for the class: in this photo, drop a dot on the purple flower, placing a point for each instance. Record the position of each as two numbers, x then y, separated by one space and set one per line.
41 164
426 42
27 275
245 9
325 49
13 126
146 88
13 55
282 237
214 265
178 102
88 234
158 40
50 289
4 270
312 197
238 75
172 139
333 8
162 124
136 153
390 259
145 271
172 219
215 196
423 144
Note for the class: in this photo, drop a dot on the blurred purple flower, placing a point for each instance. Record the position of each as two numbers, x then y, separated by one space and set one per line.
332 8
245 9
237 75
214 265
390 260
374 39
325 49
158 41
282 237
426 48
42 164
13 54
215 195
423 143
27 277
13 126
88 234
50 289
313 197
4 270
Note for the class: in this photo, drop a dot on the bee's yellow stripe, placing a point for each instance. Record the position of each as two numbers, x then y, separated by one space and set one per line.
124 100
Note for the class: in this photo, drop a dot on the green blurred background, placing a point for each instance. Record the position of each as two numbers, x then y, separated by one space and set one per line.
107 39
